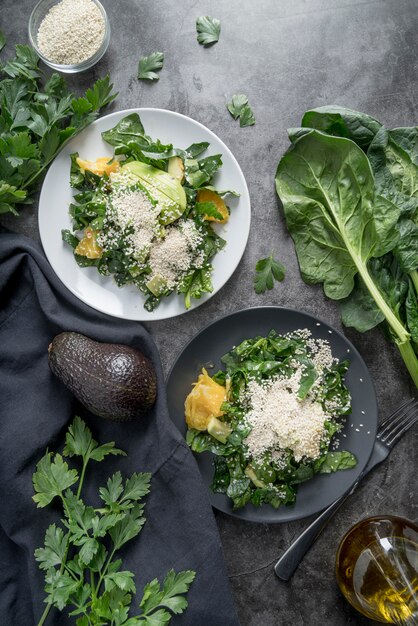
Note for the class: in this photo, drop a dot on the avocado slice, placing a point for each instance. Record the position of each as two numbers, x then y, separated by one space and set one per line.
218 429
253 477
163 187
157 285
176 168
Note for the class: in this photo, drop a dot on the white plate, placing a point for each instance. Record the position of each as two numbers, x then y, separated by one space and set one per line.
101 292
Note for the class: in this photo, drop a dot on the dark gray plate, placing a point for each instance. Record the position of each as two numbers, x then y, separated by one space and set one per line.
207 348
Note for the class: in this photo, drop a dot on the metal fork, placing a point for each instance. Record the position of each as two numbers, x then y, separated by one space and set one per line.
388 434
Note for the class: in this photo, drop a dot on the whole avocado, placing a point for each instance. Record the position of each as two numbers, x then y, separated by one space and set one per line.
112 381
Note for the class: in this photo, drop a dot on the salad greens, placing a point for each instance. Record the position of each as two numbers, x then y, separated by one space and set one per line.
148 66
177 183
349 188
267 271
208 30
240 109
36 120
273 478
78 557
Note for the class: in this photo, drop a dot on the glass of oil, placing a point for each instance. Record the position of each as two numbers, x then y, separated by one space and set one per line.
377 569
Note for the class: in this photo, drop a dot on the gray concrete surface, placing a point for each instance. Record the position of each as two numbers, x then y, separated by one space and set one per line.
287 56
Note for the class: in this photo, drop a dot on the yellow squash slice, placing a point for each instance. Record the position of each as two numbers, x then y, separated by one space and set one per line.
204 402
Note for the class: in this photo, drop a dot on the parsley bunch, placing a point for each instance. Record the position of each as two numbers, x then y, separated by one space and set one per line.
36 121
81 571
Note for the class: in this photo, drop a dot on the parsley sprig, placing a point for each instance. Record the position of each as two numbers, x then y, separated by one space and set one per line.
267 271
148 66
78 557
37 120
208 30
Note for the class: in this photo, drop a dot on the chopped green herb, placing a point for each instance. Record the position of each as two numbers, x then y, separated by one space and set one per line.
267 270
208 30
148 66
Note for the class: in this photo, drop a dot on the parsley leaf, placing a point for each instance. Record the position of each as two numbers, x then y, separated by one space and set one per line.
148 66
237 104
2 40
55 546
239 108
267 270
169 596
246 117
79 441
208 30
128 527
59 587
52 478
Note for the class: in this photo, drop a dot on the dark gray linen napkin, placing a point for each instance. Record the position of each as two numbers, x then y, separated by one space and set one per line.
35 410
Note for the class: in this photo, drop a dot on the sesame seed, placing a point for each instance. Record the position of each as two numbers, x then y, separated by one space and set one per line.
71 32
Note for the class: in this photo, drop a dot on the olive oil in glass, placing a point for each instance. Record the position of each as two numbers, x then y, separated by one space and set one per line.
377 569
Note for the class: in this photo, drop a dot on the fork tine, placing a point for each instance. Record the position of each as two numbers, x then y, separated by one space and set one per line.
393 434
396 436
396 417
390 418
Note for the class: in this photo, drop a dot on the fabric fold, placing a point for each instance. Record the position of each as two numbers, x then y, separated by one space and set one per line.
35 410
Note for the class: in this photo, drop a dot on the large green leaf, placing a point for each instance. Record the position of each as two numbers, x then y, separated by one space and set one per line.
343 122
327 189
393 155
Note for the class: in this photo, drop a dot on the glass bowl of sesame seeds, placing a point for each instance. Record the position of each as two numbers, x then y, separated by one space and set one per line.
69 35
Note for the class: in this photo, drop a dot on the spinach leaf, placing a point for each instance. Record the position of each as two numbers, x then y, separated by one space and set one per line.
129 128
196 149
198 173
334 461
411 309
342 122
327 189
149 65
208 30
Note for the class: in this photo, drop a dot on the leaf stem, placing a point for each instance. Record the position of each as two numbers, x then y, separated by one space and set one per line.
92 585
64 560
391 318
414 277
410 359
103 573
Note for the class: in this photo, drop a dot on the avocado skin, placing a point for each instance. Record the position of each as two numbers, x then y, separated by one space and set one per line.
112 381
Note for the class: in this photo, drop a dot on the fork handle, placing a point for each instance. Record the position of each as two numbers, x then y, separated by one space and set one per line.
290 559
